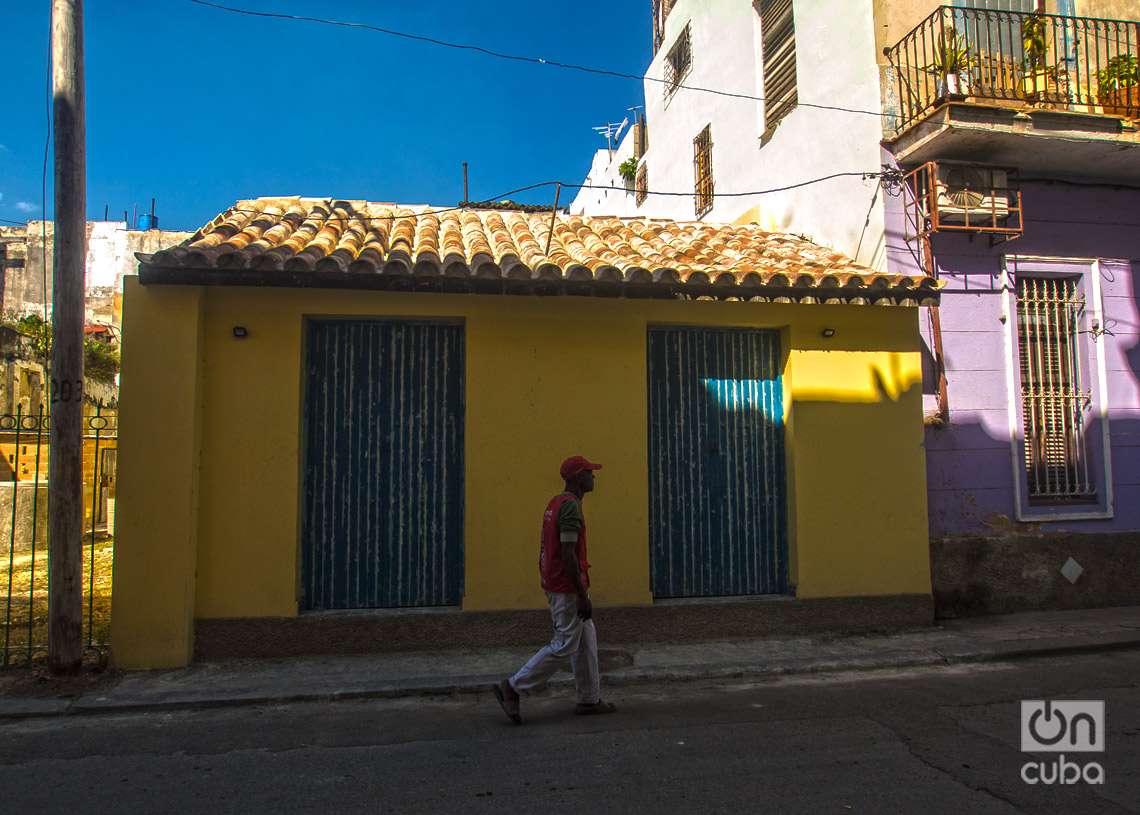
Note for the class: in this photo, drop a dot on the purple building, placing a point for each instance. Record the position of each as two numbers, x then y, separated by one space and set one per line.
1022 194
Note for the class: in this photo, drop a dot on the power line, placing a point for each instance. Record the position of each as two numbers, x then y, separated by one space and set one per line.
489 203
770 190
570 66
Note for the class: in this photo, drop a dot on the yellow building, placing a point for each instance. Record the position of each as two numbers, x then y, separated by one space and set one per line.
332 406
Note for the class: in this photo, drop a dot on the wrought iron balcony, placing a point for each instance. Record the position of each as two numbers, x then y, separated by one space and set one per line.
1017 59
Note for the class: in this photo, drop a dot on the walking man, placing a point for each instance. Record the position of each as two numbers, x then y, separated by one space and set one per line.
565 573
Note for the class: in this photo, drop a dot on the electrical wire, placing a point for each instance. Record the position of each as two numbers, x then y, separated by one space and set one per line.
570 66
489 203
16 223
864 175
486 204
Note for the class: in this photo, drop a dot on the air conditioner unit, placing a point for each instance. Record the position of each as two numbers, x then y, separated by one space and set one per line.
977 195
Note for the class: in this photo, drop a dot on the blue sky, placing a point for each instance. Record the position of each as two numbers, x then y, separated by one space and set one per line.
199 107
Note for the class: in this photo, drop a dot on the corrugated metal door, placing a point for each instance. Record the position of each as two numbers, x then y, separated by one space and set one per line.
716 463
382 519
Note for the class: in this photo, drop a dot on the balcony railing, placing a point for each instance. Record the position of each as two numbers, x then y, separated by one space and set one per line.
1068 63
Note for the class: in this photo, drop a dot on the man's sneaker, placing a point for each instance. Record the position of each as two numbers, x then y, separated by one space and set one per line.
508 700
595 709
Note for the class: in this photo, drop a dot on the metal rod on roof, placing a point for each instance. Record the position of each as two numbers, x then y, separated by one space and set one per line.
152 210
465 198
106 212
553 215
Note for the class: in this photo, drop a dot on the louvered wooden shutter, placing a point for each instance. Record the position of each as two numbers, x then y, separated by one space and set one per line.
778 41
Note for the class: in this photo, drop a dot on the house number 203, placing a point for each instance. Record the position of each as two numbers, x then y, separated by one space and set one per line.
69 390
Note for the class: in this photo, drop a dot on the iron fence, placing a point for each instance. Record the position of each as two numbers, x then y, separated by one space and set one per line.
24 476
1072 63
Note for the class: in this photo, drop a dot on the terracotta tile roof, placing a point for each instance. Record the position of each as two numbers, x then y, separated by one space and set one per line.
304 241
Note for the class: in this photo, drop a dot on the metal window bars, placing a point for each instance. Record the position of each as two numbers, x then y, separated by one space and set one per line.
678 61
24 449
1050 314
969 54
702 171
641 184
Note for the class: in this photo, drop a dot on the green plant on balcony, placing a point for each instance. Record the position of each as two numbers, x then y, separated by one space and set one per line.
952 64
1118 86
1035 48
628 169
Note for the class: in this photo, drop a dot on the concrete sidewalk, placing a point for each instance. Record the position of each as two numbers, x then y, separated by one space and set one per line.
982 639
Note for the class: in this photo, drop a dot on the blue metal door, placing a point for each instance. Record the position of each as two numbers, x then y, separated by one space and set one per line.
716 463
382 517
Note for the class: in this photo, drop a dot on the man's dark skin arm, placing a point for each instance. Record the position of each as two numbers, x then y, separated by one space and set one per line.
573 569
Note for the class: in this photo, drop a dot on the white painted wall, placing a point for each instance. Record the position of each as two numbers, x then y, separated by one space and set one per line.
108 254
604 173
836 65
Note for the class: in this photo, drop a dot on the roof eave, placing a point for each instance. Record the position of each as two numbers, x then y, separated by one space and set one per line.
151 274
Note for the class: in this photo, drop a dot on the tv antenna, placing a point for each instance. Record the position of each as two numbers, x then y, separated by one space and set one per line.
611 131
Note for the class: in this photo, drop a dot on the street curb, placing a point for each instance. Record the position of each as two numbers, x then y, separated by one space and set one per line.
622 677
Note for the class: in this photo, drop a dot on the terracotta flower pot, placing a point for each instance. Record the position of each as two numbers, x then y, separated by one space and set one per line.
1121 101
954 86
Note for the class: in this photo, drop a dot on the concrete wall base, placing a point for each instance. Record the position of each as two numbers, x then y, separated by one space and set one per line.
371 632
999 575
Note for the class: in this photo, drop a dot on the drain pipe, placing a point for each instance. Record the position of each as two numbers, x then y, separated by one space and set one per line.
936 339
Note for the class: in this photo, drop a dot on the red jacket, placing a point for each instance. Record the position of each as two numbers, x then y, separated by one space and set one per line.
550 564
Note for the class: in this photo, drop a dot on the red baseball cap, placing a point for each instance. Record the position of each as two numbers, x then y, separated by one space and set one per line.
576 464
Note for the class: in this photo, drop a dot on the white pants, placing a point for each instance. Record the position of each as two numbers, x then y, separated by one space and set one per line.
574 639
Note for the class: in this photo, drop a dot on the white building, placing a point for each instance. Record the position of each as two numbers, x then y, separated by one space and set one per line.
743 145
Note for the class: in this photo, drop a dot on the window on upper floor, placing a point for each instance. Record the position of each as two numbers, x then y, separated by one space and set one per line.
702 171
661 9
679 61
641 184
778 59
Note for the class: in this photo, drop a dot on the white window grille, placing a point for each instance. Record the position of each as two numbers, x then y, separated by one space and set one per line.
1054 400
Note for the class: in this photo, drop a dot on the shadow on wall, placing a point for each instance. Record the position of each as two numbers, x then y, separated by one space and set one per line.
984 560
1008 565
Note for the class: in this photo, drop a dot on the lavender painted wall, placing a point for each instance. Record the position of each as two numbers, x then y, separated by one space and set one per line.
969 464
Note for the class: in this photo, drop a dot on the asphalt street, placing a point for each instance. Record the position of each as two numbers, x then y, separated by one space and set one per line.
928 741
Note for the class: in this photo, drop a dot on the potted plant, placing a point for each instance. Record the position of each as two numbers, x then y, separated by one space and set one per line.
628 170
951 66
1118 86
1034 46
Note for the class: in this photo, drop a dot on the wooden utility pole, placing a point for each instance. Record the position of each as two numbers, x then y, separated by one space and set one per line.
65 485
